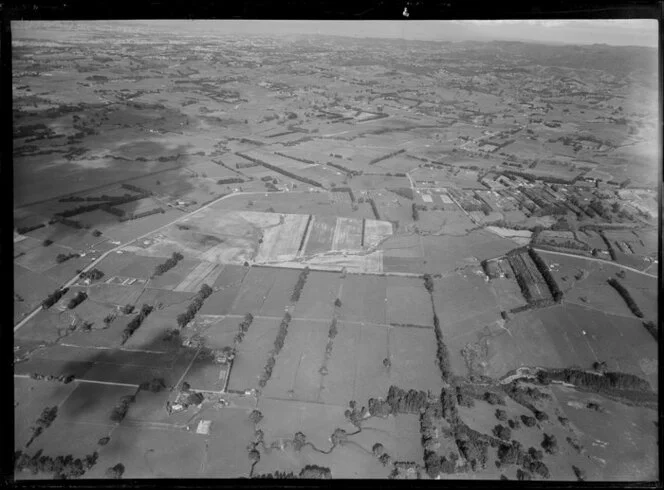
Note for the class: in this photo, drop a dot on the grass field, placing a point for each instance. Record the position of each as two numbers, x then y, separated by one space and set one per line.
363 298
408 302
253 354
296 372
317 298
265 290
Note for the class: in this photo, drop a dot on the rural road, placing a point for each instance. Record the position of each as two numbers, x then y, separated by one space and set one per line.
596 260
105 254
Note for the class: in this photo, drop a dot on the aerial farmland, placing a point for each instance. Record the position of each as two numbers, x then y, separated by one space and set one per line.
327 256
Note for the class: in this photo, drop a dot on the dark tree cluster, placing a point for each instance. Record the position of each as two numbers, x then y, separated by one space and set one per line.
93 274
77 300
136 322
434 464
54 297
474 447
61 467
65 257
493 398
155 385
195 305
62 378
299 285
546 274
168 265
243 327
528 421
501 415
402 401
121 408
550 444
464 397
617 285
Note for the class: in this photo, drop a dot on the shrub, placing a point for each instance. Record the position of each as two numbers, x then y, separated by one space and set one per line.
502 432
501 415
116 471
550 444
377 449
528 421
120 410
76 300
299 441
523 475
255 416
337 303
493 398
579 473
47 242
428 283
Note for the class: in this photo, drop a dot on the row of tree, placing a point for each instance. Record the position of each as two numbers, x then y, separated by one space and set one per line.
136 322
622 291
374 208
54 297
301 280
121 408
442 354
25 229
232 180
61 467
278 345
279 170
242 328
385 157
168 265
65 257
348 171
194 306
133 216
93 274
546 274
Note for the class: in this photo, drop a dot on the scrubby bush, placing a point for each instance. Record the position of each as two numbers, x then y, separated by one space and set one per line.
502 432
255 416
120 410
116 471
550 444
493 398
528 421
501 415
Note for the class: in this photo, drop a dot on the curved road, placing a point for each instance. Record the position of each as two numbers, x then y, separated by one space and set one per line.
102 256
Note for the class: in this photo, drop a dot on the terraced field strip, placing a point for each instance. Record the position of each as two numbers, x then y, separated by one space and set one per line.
347 234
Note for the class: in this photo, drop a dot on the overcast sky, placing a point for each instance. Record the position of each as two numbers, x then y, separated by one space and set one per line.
614 32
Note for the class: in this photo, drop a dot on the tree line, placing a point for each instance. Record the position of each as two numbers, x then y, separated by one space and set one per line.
168 265
625 294
136 322
194 306
278 345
